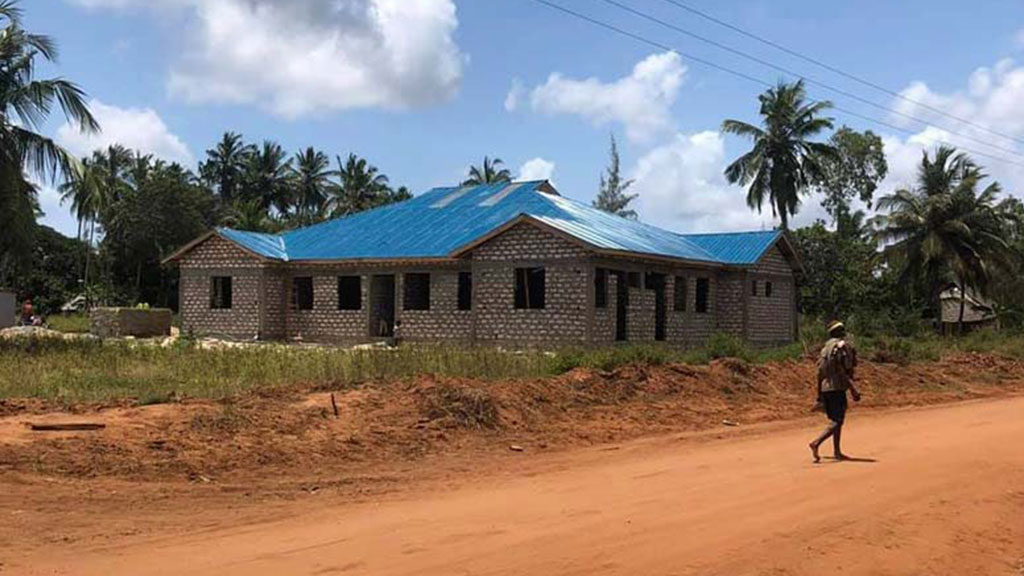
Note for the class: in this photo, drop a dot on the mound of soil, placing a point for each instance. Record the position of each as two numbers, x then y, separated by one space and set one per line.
288 436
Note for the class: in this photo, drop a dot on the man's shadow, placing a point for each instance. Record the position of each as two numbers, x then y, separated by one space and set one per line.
834 460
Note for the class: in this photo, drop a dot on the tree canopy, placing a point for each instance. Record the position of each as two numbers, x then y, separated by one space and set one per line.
25 154
490 172
611 194
784 162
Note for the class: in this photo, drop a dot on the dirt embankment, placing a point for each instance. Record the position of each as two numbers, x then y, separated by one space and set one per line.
292 437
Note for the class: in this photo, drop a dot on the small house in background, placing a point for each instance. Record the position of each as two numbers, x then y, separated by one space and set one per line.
8 310
507 263
978 311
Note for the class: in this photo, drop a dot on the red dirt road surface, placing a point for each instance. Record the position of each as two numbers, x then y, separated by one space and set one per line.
943 494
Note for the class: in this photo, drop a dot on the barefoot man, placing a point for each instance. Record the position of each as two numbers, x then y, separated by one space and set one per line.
835 376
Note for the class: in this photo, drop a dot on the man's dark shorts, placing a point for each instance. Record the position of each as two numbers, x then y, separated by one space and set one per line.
835 405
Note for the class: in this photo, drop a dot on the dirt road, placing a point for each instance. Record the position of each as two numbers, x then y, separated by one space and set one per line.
942 492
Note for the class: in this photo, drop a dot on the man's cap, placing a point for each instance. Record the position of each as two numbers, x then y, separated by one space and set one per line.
836 325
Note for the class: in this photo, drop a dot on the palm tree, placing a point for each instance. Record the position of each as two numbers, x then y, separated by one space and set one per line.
311 173
489 173
400 194
83 191
361 186
945 228
250 215
269 178
784 162
142 168
225 165
102 183
25 105
113 166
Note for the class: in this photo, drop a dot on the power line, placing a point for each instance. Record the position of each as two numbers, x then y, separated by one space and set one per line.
790 72
836 70
748 77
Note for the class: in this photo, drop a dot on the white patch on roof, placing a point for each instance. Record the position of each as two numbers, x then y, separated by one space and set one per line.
500 195
459 193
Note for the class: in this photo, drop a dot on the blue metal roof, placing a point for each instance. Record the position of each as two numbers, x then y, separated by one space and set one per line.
269 245
737 248
439 222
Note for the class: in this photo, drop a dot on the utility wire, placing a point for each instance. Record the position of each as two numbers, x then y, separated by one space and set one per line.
836 70
808 79
743 75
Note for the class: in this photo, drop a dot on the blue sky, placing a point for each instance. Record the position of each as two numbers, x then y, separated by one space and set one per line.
424 87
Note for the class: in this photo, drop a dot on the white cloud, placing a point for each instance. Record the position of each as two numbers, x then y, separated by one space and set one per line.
641 102
514 94
993 97
680 186
106 3
536 169
308 56
136 128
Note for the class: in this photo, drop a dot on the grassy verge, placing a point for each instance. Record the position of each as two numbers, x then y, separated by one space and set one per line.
74 371
97 371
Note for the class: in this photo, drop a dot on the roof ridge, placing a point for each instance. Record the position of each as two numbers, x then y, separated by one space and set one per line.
772 231
706 255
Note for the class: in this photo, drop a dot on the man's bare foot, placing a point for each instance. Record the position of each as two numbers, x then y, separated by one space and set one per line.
841 456
814 452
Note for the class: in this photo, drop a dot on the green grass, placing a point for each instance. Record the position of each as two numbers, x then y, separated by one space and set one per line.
74 323
97 371
82 370
74 371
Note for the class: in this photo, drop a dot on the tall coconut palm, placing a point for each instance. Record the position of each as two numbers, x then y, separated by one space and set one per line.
312 176
360 186
269 178
101 182
25 105
944 229
83 190
225 165
113 166
491 172
784 162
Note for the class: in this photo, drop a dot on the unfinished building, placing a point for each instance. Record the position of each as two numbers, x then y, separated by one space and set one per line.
508 263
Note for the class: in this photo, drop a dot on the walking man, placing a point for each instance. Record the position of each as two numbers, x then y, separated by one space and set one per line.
835 376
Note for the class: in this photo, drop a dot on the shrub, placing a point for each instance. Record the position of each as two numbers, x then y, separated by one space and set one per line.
722 345
461 406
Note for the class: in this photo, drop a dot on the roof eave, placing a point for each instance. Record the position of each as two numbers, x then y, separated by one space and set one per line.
181 252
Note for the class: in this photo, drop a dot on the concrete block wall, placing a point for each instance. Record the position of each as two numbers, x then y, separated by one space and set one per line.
444 320
565 317
689 327
640 315
729 303
218 257
325 322
604 318
771 319
275 303
137 322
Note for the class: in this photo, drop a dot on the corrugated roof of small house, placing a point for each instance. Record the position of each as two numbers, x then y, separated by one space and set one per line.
740 248
444 221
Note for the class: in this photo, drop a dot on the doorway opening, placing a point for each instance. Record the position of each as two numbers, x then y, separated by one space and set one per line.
382 306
